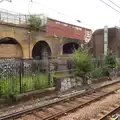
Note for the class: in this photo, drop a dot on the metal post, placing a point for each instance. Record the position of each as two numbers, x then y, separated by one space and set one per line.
49 77
0 16
19 19
20 73
29 44
105 40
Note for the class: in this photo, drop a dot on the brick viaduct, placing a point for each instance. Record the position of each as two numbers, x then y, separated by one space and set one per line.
17 41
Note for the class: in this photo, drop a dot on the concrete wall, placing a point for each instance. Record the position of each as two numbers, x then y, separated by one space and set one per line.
22 36
68 82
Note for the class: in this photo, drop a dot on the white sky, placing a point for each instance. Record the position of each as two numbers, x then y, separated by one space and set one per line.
92 12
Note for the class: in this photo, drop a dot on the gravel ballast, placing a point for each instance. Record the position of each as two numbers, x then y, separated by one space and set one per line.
92 110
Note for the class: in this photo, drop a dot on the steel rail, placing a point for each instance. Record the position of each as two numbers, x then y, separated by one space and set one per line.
80 105
31 110
110 113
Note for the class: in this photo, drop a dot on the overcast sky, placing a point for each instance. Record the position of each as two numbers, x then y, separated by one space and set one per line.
92 13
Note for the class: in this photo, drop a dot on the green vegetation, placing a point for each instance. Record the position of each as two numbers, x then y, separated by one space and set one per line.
34 23
86 67
28 83
97 72
110 60
83 62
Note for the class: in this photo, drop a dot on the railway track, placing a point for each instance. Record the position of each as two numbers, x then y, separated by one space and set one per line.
62 106
105 114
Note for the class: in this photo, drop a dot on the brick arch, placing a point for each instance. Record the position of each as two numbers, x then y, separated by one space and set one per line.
68 40
68 47
41 50
10 47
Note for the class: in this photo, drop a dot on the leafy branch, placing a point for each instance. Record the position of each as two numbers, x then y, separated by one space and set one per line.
35 23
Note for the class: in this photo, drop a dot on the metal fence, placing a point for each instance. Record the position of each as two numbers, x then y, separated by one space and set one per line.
17 18
18 76
23 75
12 17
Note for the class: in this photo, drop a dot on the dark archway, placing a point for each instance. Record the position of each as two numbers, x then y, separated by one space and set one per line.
8 40
69 47
41 50
10 47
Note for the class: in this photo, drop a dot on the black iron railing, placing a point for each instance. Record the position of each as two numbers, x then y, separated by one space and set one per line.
23 75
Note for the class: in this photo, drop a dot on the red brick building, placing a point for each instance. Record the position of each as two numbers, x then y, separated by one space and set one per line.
58 28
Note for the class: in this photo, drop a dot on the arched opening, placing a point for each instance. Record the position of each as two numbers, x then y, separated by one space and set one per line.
41 50
69 47
9 47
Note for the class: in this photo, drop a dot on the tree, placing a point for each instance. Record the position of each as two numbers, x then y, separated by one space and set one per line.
34 23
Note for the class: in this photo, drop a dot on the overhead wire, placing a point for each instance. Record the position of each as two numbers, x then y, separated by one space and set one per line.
79 21
114 4
46 7
110 6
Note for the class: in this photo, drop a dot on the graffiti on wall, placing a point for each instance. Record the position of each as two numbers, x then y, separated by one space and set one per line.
88 35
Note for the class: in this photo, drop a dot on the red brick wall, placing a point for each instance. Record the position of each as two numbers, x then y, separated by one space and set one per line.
64 29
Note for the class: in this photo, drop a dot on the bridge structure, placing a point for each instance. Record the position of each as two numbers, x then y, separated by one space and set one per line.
17 41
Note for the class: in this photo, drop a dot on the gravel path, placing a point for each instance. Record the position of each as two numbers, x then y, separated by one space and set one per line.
93 109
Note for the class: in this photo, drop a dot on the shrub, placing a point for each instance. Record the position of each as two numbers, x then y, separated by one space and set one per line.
110 60
34 23
105 69
97 72
82 61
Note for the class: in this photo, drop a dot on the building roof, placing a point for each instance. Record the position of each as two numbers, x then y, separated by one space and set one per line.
76 25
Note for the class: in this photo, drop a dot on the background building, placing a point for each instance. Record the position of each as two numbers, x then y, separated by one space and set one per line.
97 42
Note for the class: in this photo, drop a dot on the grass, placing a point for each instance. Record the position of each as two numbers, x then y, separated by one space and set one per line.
28 83
11 84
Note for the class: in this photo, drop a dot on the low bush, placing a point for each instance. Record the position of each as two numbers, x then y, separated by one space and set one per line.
96 73
82 61
110 60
